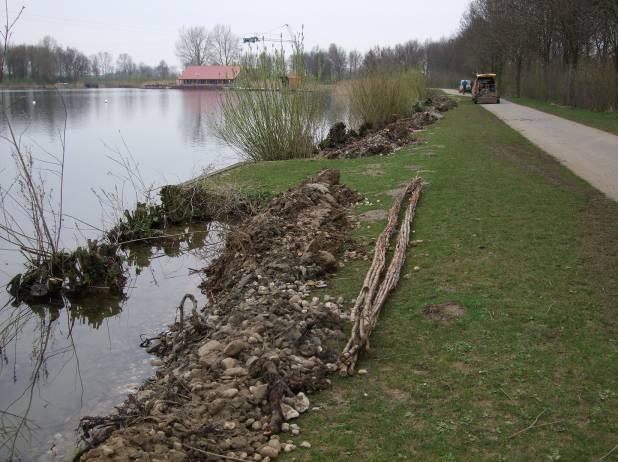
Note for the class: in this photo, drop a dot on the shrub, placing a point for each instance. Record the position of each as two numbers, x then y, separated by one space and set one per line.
271 123
383 96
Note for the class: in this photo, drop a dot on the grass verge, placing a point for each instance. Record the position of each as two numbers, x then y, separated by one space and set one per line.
530 251
606 121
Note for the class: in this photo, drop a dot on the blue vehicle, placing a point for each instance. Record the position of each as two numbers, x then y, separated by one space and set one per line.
465 86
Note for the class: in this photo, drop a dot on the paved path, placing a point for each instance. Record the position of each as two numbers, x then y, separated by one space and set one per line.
590 153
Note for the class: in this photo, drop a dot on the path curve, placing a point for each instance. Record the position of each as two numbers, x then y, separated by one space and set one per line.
590 153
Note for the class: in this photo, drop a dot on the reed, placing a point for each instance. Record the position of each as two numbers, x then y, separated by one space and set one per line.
380 97
272 122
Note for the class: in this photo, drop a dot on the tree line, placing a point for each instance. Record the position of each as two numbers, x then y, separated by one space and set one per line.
199 46
564 51
49 62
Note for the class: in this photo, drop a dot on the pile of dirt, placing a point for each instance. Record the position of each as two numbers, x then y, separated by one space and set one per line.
443 312
233 377
343 143
441 103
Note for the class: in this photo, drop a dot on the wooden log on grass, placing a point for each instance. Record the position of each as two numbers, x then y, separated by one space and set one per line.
377 286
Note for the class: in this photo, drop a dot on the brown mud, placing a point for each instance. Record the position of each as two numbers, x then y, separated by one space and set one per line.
234 374
443 312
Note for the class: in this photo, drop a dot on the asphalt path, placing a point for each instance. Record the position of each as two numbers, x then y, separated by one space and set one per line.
590 153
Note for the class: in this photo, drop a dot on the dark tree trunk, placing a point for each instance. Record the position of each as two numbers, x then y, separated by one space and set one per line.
519 63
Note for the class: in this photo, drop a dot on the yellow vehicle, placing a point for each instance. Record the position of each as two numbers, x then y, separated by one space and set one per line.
485 89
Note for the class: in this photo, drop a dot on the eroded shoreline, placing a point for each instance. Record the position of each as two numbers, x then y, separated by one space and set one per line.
235 374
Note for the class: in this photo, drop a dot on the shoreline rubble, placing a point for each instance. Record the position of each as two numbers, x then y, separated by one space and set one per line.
343 143
235 376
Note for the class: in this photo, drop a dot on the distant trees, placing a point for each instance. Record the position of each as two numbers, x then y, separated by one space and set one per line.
46 62
338 60
354 61
104 61
335 63
560 50
162 70
125 67
225 46
198 46
49 62
193 45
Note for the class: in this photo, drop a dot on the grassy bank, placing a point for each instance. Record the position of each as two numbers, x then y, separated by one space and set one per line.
530 251
607 121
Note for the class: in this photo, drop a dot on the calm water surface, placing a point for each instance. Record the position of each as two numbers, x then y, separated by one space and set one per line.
62 362
58 363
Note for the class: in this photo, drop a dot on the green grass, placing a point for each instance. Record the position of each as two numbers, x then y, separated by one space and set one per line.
607 121
530 251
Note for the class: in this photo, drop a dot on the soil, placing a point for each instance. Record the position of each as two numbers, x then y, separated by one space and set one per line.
342 143
373 215
236 373
443 312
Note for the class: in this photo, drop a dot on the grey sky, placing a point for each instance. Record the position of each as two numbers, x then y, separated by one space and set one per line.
147 29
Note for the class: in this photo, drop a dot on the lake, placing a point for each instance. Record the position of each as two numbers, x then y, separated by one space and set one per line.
58 363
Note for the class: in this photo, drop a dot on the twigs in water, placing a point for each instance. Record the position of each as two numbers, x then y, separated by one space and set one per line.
377 286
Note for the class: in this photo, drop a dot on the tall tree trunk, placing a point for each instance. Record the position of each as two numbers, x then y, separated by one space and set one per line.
616 76
518 63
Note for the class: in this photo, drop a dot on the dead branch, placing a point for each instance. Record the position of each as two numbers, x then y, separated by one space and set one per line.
213 454
377 286
181 309
534 424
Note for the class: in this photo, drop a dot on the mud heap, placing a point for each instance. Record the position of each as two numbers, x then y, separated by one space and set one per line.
233 377
341 143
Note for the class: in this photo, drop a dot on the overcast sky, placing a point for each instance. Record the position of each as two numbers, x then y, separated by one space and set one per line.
148 29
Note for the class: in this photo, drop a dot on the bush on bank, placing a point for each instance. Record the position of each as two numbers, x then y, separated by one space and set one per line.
271 123
382 96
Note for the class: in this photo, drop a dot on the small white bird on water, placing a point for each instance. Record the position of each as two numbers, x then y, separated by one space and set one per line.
33 101
105 100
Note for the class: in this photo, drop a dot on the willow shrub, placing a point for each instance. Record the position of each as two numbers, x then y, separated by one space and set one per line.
383 96
271 123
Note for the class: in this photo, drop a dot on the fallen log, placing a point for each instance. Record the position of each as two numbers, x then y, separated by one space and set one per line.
377 286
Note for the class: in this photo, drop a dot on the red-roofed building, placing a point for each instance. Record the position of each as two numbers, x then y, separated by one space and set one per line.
208 75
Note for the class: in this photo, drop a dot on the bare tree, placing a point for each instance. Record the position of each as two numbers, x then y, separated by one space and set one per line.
6 33
354 61
162 70
95 67
193 45
105 60
125 65
225 46
30 197
338 60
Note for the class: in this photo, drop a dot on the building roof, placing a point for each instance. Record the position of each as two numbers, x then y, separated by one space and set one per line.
213 72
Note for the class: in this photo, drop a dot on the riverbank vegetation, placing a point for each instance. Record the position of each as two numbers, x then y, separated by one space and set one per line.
520 367
271 124
382 96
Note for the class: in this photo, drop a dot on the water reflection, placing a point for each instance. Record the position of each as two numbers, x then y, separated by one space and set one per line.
80 357
77 357
200 110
